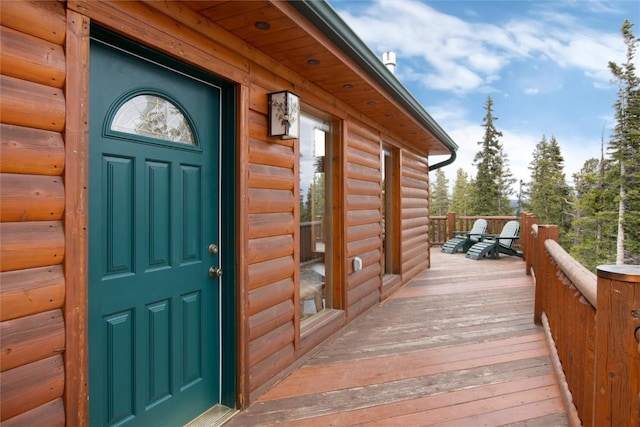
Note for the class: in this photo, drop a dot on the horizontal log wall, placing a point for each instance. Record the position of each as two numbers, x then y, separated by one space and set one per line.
271 231
32 161
32 248
414 184
364 216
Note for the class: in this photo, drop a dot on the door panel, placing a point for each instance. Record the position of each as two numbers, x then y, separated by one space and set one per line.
154 333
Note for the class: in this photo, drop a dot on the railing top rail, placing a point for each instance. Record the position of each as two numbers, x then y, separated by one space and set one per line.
585 281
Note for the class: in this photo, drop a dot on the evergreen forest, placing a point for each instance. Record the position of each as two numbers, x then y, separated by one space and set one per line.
599 215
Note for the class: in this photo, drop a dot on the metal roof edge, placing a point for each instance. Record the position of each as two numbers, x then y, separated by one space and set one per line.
325 18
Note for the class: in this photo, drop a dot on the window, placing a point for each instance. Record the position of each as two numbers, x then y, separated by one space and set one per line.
153 117
390 212
316 225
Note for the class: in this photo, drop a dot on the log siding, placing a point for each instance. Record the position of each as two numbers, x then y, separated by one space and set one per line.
43 168
32 242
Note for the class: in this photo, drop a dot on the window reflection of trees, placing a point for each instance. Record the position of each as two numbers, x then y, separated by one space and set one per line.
315 294
153 117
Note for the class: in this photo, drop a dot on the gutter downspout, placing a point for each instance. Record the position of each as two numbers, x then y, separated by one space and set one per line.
443 163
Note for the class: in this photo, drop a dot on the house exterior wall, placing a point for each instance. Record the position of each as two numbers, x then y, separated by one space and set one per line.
43 239
32 208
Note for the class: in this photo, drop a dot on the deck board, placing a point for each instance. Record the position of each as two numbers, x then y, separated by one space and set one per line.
454 347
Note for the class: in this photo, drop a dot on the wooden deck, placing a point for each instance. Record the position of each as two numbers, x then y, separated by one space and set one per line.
456 346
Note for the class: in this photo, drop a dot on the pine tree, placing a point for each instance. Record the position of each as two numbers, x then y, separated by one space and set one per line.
493 179
439 194
549 194
462 194
594 225
624 147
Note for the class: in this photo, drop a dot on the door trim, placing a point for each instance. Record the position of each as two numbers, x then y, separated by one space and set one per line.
76 138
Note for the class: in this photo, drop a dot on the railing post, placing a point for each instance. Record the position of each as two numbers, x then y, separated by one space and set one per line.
543 270
530 258
617 352
524 235
451 224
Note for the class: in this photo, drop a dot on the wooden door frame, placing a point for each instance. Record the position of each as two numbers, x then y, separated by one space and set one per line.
76 222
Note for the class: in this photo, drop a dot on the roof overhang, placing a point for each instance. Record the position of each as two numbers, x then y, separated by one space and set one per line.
327 20
309 38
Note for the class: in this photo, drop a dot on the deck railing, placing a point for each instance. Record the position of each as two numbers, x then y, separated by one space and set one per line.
442 228
593 321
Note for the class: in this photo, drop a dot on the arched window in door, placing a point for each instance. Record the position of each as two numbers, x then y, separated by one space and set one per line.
153 116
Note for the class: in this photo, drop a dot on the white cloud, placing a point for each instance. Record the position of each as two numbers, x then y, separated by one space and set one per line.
467 56
531 91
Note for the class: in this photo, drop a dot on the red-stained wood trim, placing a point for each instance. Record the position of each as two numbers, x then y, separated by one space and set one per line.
142 23
76 220
297 317
243 296
340 216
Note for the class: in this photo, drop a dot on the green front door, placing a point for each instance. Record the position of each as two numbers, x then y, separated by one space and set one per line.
154 322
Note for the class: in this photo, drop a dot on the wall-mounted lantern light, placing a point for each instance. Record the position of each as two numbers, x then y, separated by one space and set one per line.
284 115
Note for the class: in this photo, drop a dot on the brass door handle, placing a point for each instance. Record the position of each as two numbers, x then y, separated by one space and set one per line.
215 272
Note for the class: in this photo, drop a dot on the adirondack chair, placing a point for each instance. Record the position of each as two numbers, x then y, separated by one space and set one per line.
464 239
501 243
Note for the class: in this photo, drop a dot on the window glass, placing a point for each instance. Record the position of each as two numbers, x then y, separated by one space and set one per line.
389 243
153 117
315 223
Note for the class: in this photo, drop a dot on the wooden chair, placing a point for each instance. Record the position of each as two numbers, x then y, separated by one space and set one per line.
502 243
464 239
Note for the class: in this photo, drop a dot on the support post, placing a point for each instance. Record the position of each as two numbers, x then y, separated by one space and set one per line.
543 270
529 250
451 224
617 352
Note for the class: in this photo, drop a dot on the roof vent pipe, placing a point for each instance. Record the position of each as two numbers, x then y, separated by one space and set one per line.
389 60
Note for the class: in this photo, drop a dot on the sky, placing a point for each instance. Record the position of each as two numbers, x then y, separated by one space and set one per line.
543 62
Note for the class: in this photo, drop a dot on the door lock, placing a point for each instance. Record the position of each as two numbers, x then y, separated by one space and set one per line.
215 272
